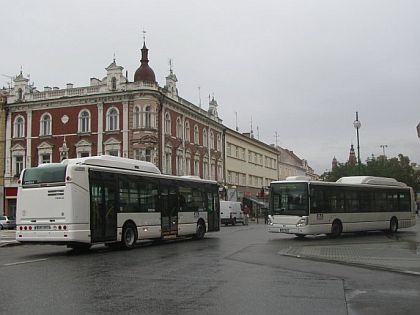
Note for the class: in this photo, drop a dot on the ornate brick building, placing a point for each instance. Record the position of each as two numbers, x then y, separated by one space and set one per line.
136 119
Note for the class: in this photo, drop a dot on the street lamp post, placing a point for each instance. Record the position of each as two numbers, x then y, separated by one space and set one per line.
357 125
383 146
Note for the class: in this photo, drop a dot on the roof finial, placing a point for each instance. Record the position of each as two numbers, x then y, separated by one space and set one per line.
114 56
170 66
144 37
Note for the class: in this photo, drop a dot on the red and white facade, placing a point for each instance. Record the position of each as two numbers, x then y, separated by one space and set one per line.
114 116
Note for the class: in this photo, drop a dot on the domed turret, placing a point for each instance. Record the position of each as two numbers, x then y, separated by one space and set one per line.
144 72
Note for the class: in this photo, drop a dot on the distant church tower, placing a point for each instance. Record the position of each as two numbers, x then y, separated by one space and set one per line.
352 157
334 164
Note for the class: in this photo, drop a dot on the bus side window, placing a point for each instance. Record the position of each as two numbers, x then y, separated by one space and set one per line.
404 201
317 200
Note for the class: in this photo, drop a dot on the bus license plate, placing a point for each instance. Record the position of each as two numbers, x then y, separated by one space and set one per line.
42 227
284 230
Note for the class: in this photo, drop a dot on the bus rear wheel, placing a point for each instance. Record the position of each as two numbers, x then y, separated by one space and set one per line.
393 225
336 229
129 236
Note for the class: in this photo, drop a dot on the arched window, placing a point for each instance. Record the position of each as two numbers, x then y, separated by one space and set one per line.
205 138
211 140
84 121
19 127
219 142
136 118
167 123
196 135
45 125
112 119
187 131
179 127
205 167
197 165
113 83
147 117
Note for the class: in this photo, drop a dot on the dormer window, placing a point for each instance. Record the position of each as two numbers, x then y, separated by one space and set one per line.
113 83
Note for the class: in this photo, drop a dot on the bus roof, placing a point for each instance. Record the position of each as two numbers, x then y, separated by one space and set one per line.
115 162
350 180
370 180
130 165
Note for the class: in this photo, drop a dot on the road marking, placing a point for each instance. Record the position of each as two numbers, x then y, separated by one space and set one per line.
25 262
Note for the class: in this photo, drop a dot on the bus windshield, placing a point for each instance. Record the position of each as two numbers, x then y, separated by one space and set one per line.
46 174
289 199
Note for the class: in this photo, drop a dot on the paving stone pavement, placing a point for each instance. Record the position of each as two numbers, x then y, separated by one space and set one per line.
394 256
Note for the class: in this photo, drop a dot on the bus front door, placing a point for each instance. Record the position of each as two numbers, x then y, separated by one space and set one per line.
169 210
103 215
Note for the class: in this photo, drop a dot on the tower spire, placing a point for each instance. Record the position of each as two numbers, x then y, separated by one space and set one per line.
144 37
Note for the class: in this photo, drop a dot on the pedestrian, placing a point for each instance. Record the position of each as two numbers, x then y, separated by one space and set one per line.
265 216
246 213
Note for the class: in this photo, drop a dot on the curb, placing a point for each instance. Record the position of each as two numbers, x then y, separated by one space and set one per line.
353 264
9 244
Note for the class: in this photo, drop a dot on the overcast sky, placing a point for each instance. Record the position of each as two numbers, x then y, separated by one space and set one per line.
298 68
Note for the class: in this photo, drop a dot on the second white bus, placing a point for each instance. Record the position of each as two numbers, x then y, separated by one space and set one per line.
352 204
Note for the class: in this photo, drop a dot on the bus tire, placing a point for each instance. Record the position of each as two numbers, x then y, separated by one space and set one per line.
129 236
234 222
201 231
336 229
393 225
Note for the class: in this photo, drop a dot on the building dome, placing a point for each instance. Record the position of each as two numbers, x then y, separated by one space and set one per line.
144 72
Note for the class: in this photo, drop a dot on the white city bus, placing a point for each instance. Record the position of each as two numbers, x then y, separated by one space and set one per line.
111 200
352 204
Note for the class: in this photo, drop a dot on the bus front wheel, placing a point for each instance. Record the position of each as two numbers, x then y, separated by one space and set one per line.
393 225
129 236
336 229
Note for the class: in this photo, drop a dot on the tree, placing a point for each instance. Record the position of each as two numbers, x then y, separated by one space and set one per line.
399 168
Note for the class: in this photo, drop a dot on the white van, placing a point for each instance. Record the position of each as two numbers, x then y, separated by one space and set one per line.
231 213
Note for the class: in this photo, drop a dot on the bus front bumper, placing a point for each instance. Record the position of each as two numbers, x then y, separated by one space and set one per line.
288 229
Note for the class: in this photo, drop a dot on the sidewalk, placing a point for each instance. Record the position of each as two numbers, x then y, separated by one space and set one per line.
397 253
8 238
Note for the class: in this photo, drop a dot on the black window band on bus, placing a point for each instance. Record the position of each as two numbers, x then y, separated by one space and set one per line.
325 199
45 175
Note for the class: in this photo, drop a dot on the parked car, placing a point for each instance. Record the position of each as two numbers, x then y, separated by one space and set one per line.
7 223
231 213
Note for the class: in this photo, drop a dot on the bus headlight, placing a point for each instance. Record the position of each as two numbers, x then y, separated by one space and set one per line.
302 222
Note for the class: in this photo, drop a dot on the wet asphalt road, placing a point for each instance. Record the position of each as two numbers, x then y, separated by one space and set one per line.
237 270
